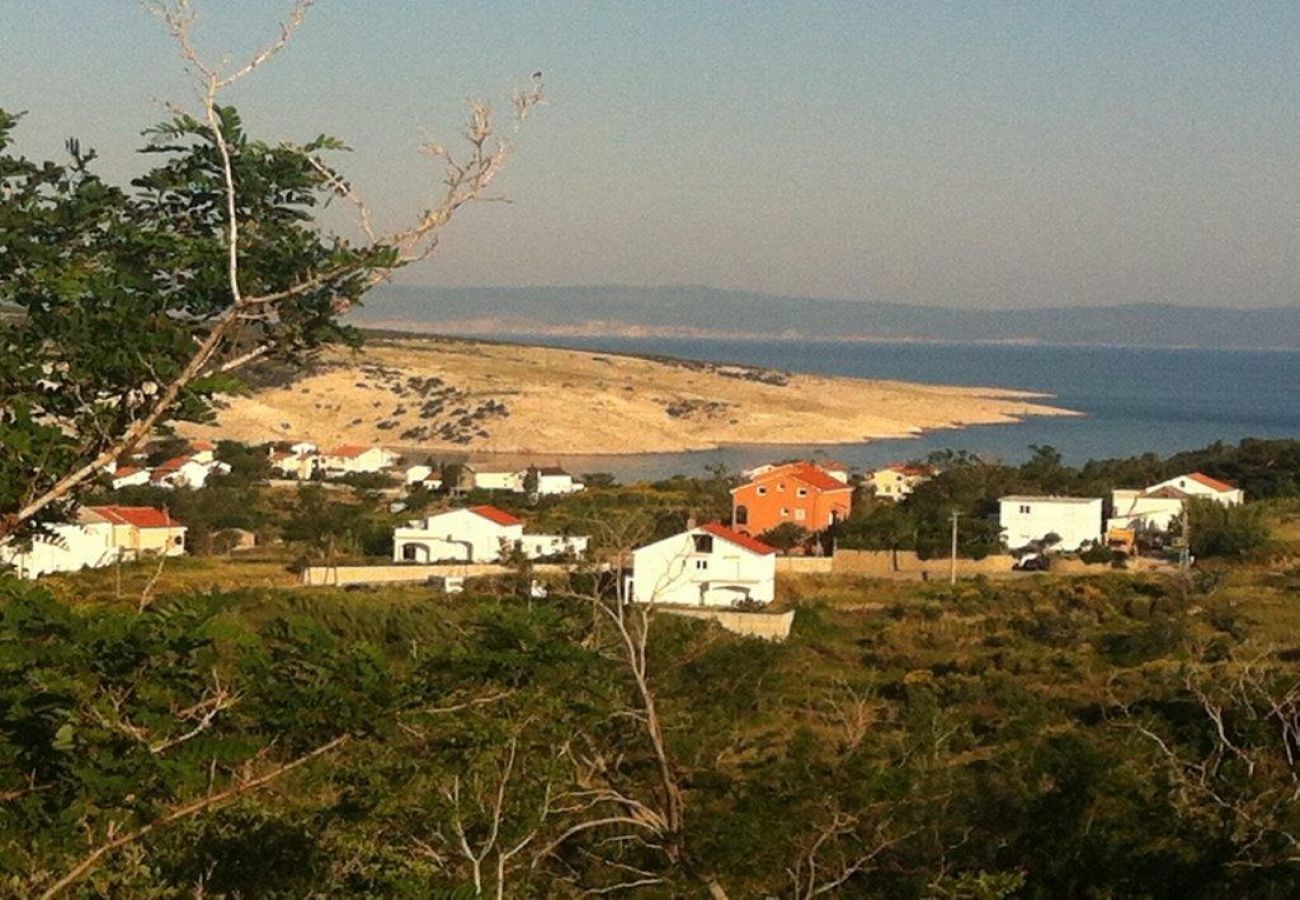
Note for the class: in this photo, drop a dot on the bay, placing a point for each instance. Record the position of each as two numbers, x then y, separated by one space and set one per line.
1134 400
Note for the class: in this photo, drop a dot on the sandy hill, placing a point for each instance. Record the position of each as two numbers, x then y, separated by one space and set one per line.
454 394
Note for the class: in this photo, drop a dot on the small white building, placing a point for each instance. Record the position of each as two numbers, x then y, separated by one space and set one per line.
1027 519
187 471
351 459
706 566
424 476
476 534
552 480
897 480
499 481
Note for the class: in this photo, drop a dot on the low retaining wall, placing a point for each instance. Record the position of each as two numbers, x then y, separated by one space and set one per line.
342 576
819 565
879 564
768 626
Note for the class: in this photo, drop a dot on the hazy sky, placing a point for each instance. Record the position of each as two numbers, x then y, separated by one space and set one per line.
961 153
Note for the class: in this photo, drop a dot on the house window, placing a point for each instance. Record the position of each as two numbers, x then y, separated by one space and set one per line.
742 515
800 515
408 552
784 511
802 492
703 543
701 564
780 487
1024 509
761 491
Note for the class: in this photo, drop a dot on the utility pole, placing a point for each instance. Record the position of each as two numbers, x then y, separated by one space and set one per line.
952 568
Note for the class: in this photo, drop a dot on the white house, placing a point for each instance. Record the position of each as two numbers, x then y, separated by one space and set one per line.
552 480
1075 520
303 448
100 537
68 547
476 534
706 566
190 471
1195 484
351 459
897 480
416 474
1154 509
424 475
300 465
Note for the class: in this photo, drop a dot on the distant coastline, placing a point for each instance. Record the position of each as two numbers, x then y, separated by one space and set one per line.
705 313
520 330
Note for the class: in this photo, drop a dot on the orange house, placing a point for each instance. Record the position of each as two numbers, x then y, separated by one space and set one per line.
800 493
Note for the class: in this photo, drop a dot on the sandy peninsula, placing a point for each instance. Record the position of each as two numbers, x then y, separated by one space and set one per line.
453 394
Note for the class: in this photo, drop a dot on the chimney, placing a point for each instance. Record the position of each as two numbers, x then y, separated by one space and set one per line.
690 521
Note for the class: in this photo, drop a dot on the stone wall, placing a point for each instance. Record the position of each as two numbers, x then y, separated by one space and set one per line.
768 626
341 576
820 565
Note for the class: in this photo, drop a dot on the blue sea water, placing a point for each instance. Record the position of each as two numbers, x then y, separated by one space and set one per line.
1133 400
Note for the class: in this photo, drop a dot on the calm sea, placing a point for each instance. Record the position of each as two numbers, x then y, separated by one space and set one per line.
1134 400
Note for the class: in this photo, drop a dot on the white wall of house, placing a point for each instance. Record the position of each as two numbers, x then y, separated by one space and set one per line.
557 483
684 570
416 474
456 534
70 548
1133 509
194 474
537 546
373 459
1076 520
131 479
302 467
499 481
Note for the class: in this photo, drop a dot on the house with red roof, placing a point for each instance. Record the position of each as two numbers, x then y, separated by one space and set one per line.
101 536
1154 509
897 480
801 493
709 565
138 531
477 534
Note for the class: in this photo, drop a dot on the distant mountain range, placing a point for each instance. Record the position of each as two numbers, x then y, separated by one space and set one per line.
709 312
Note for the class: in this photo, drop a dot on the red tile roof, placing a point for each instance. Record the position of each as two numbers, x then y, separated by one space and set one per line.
492 514
815 477
718 530
1213 484
171 465
139 516
124 471
200 446
810 474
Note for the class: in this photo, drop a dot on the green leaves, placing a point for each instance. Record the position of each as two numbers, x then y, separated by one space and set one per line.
112 288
